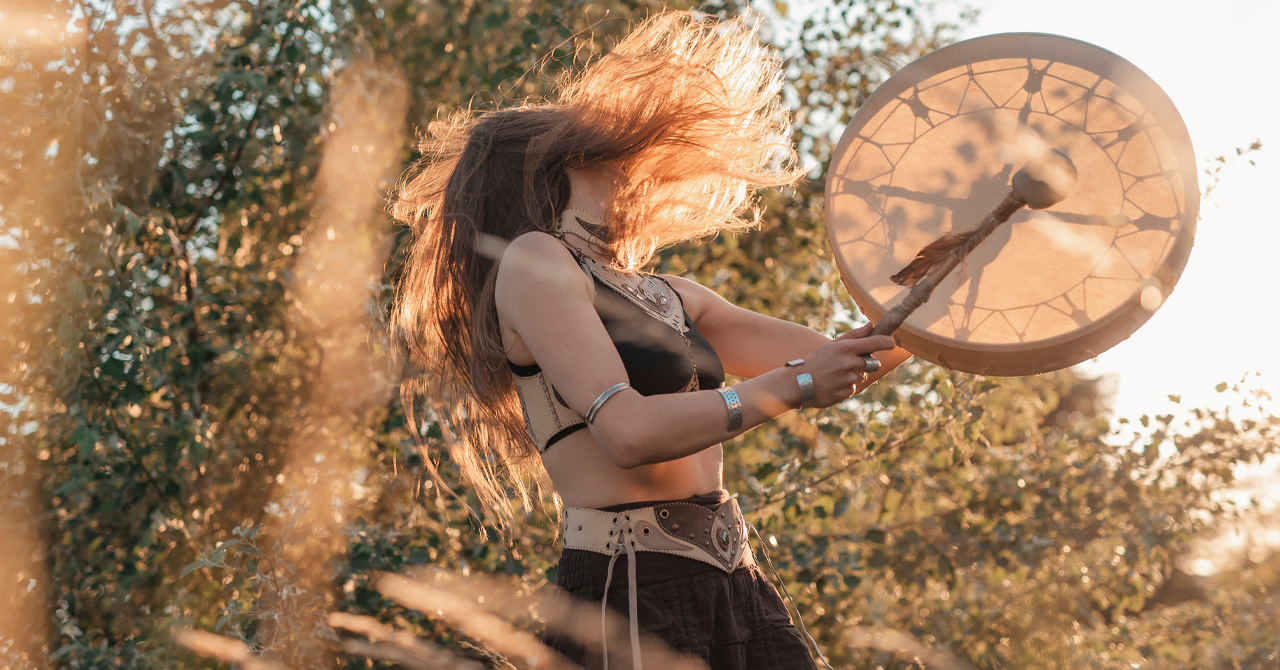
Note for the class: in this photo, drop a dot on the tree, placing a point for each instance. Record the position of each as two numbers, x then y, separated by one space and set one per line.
172 370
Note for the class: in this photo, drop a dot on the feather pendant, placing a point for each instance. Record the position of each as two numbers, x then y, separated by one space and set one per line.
930 256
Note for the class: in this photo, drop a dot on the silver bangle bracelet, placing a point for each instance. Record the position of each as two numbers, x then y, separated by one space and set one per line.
734 405
808 392
602 398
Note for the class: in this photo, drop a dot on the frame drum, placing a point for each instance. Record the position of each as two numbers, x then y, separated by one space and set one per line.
932 151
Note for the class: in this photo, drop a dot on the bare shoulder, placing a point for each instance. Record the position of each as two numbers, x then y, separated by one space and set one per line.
536 245
536 261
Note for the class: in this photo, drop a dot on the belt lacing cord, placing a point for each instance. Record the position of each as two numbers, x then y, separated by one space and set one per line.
629 546
783 584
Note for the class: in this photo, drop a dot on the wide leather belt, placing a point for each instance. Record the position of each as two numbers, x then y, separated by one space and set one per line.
714 535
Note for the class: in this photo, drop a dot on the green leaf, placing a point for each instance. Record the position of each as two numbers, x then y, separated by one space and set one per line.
198 564
86 438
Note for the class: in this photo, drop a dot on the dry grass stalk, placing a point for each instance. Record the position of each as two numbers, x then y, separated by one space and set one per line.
469 619
388 641
342 254
472 605
407 657
40 204
212 645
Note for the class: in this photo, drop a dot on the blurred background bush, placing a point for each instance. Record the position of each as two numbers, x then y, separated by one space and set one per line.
198 427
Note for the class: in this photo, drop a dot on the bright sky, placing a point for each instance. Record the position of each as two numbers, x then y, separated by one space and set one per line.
1219 64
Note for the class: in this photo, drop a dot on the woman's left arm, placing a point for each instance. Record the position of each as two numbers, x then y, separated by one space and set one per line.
750 343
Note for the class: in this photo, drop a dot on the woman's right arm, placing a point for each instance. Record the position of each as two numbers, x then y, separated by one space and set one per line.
542 297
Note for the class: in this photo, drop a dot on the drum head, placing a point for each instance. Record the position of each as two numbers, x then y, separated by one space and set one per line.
932 152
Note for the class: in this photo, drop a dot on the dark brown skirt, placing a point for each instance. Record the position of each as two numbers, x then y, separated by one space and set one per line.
731 620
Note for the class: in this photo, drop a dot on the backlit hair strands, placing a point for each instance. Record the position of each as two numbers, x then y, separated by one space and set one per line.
686 110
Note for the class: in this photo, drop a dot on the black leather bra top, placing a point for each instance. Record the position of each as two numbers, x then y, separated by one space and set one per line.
656 357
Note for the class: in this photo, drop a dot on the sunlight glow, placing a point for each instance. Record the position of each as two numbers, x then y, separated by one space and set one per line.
1216 331
1213 327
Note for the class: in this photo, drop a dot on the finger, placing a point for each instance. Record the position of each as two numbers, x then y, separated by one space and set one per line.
859 332
867 345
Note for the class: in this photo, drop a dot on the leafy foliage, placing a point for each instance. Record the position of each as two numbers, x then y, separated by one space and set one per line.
159 169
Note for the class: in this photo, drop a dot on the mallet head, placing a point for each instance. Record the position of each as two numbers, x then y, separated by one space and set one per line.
1047 180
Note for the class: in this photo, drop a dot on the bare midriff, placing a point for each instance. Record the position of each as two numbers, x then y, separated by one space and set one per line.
585 477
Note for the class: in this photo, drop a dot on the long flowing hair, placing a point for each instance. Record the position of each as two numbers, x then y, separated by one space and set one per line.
686 109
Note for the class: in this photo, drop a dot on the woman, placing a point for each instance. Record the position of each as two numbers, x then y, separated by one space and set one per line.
523 312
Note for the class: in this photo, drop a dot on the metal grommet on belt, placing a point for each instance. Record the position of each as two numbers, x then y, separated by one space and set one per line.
664 513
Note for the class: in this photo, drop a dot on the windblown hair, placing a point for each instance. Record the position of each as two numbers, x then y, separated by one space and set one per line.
687 111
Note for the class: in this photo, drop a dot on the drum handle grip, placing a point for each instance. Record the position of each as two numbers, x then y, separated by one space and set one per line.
924 288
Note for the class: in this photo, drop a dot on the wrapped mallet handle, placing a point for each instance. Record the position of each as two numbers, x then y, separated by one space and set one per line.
1039 184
